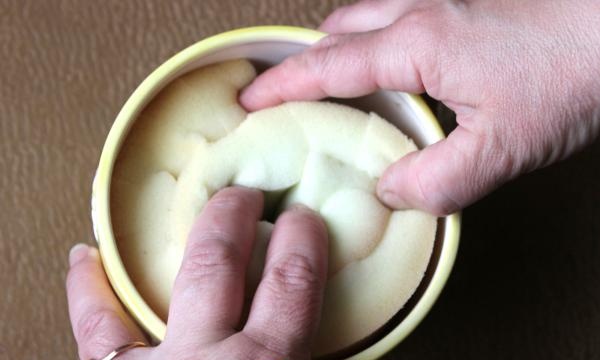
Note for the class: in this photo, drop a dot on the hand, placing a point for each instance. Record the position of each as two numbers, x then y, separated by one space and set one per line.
522 76
207 300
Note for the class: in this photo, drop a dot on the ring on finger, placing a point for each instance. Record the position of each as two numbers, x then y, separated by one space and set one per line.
121 349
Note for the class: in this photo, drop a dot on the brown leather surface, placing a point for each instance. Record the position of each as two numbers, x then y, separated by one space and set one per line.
526 281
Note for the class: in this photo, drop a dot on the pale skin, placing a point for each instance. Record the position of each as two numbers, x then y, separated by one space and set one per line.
522 76
524 80
206 304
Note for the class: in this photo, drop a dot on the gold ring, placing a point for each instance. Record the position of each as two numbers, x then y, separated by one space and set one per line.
121 349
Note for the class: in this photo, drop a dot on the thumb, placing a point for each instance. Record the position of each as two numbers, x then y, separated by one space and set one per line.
448 175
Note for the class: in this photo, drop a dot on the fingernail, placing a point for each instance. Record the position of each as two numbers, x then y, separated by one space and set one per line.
245 99
390 199
78 253
382 191
245 188
300 208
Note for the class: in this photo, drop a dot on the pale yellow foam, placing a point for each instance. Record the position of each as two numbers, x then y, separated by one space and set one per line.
195 139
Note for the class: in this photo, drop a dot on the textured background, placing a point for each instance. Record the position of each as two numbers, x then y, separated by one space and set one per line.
526 281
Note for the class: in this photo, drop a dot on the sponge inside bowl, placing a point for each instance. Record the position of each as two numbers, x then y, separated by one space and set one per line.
194 139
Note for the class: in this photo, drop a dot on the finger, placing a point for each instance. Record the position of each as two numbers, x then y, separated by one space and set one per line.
286 309
99 322
341 66
365 15
449 175
208 294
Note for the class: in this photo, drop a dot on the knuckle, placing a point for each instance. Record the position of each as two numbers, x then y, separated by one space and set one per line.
339 14
423 35
420 23
320 63
291 64
437 199
212 256
326 42
181 351
313 59
250 347
433 195
427 28
96 327
320 59
486 161
292 275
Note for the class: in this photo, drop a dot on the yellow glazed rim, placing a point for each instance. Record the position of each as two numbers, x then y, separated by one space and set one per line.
101 218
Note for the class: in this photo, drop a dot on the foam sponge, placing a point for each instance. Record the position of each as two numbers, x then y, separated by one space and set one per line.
194 139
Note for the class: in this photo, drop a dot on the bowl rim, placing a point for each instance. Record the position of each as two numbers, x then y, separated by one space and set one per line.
100 206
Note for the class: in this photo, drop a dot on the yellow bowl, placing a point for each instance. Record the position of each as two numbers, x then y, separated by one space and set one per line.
265 46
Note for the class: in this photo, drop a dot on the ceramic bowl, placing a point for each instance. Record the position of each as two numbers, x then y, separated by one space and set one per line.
267 46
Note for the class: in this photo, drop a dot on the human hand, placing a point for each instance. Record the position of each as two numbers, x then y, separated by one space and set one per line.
208 295
522 76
